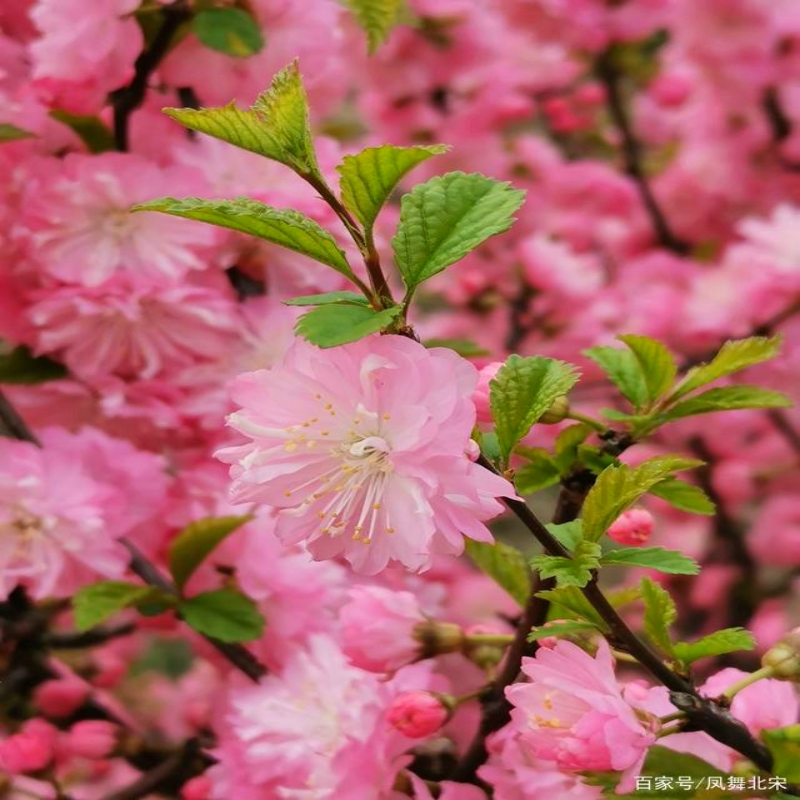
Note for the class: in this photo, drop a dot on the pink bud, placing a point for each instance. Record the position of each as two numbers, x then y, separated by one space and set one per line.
92 738
29 750
60 697
198 788
591 94
481 394
670 91
632 527
417 714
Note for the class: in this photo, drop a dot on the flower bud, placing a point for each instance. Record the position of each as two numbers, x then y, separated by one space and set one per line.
198 788
92 738
29 750
558 411
632 527
481 394
61 696
783 658
418 714
438 637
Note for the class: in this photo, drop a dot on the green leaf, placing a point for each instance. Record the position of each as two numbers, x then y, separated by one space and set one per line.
369 177
277 126
568 533
327 298
659 614
728 640
11 133
279 226
685 496
332 325
726 398
223 614
20 366
95 603
93 132
784 744
618 487
575 571
656 364
228 30
560 628
570 601
623 370
732 357
196 542
670 561
540 471
522 390
504 564
464 347
447 217
568 444
376 18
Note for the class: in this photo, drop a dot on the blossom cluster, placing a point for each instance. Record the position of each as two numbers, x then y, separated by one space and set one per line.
659 144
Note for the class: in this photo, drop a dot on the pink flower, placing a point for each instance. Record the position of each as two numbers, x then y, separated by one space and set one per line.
61 696
633 527
79 226
91 738
319 727
480 396
417 714
378 626
29 750
572 712
133 328
54 517
362 448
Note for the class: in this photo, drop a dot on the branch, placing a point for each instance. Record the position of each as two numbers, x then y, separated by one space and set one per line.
12 426
126 100
609 75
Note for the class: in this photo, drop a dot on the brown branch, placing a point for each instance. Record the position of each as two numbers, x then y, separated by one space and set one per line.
609 75
12 426
126 100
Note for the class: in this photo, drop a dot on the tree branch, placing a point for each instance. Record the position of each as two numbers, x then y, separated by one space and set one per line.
609 76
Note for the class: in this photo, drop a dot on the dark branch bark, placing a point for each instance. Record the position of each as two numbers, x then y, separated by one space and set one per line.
632 154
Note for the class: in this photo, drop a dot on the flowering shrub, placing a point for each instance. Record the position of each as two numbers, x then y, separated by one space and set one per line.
380 432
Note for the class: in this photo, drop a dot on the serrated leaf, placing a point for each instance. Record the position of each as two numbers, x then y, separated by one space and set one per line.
726 398
281 226
560 628
656 363
376 18
784 744
327 298
568 533
277 126
228 30
20 366
728 640
522 391
569 600
669 561
504 564
96 603
447 217
659 614
464 347
369 177
11 133
618 487
196 542
332 325
732 357
575 571
623 370
223 614
540 471
684 496
567 445
93 132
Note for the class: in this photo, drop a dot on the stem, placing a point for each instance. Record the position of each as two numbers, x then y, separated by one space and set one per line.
126 100
748 680
595 424
499 639
676 715
609 75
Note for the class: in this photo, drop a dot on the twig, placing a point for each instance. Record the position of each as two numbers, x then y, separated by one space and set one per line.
609 75
12 426
91 638
126 100
781 422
